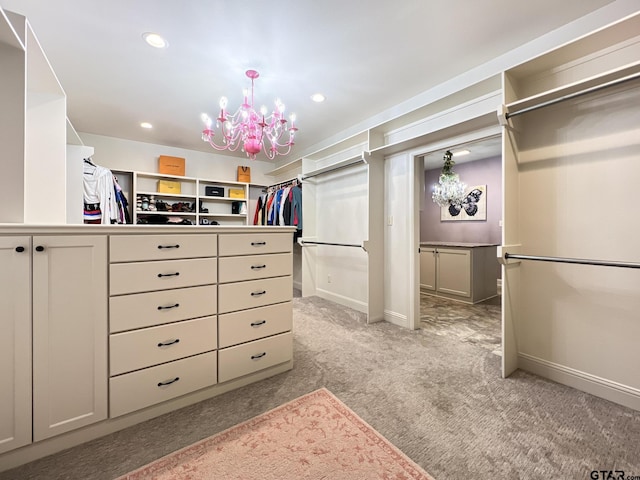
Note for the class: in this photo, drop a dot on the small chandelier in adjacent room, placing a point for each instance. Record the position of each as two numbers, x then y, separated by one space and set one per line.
449 190
251 130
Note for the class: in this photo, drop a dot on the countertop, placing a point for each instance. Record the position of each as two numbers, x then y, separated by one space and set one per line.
457 244
81 229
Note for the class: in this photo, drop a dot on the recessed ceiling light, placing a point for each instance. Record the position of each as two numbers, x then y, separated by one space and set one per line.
146 125
155 40
460 153
318 97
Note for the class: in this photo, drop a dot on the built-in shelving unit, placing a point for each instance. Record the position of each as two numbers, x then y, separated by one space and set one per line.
191 203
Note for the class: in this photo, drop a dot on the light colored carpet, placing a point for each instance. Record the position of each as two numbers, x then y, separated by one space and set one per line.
315 436
439 398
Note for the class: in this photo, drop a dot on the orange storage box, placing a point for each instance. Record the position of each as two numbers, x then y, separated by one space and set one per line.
171 165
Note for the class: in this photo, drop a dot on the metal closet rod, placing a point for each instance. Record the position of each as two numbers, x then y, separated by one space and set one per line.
578 261
574 95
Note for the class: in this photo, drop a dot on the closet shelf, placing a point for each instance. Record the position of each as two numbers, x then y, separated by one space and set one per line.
168 214
629 72
174 195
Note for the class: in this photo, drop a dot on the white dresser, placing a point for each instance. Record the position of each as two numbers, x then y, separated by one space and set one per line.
165 317
255 292
162 318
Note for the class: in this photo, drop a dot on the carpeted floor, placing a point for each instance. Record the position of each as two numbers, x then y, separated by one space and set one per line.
438 397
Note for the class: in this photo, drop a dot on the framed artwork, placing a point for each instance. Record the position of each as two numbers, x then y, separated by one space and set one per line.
473 207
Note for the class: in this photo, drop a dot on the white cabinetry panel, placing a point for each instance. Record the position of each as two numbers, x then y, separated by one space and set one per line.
69 333
15 342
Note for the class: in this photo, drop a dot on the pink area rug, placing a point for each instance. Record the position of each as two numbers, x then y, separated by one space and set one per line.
315 436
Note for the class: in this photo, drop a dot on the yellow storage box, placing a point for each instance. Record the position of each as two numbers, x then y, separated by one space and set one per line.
236 192
168 186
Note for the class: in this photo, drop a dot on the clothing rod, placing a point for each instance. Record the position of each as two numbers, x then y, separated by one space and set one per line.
304 177
305 242
574 95
578 261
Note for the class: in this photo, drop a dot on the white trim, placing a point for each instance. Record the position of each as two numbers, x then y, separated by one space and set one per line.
358 305
586 382
396 319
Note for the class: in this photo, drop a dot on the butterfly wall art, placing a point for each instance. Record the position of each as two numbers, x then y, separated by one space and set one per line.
473 207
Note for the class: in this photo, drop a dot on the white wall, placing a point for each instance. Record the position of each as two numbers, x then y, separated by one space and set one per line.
340 217
399 209
120 154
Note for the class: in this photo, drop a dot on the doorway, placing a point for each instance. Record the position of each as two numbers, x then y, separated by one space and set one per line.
471 312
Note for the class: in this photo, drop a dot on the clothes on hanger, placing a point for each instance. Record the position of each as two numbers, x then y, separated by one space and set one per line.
280 205
100 195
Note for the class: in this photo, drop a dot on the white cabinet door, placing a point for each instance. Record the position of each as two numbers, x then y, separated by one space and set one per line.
69 333
428 268
15 342
454 271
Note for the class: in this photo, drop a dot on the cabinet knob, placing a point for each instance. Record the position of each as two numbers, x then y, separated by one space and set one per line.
257 294
259 355
258 244
20 249
39 248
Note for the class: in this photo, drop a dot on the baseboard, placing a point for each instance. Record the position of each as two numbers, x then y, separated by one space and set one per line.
396 318
586 382
34 451
342 300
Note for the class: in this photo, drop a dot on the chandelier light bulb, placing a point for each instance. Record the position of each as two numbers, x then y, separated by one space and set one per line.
254 132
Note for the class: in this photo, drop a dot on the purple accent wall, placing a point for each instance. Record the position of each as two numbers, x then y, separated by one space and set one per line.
480 172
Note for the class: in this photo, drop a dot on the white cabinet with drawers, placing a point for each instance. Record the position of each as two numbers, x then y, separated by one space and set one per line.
254 302
109 326
162 322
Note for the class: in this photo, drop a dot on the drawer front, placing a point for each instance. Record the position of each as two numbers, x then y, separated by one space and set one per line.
143 388
248 325
128 312
251 357
151 346
256 293
253 267
149 276
254 243
136 248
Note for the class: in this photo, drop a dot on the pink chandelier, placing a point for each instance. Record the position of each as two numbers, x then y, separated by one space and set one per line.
251 130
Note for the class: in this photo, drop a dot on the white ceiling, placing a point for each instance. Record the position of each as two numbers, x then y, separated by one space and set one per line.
365 56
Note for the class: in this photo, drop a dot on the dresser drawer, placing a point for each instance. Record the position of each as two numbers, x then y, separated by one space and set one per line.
248 325
128 312
149 276
138 349
255 293
252 267
254 243
135 248
250 357
143 388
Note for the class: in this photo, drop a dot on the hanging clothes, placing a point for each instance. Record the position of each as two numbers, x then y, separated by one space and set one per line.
100 204
280 205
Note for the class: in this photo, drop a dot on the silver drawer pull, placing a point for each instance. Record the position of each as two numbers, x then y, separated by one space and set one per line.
170 342
168 246
260 355
160 307
160 275
258 267
257 294
257 324
168 382
258 244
